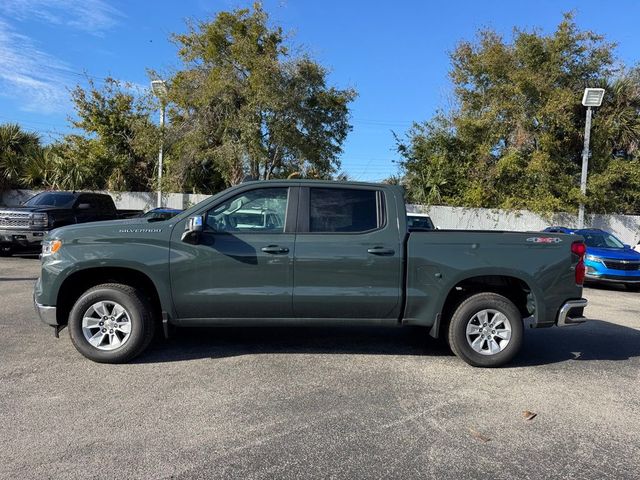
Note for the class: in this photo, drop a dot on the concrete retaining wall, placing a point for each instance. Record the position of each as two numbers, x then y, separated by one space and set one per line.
123 200
625 227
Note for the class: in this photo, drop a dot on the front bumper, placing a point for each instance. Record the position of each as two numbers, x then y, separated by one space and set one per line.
22 238
46 313
572 312
606 278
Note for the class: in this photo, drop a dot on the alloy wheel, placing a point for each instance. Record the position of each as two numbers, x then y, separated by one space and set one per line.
488 332
106 325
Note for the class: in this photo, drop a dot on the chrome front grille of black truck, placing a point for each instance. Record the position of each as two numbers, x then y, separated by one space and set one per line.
14 219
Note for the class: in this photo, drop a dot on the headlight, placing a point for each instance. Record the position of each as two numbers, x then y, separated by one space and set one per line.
593 258
39 219
49 247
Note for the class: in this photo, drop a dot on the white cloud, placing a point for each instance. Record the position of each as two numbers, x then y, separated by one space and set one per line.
29 74
92 16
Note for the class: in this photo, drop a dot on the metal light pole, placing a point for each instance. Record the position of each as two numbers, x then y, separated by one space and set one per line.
592 98
159 88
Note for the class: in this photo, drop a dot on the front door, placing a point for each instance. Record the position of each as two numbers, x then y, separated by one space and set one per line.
348 261
242 266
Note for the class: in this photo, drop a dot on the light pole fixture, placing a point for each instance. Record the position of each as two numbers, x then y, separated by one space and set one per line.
159 89
592 97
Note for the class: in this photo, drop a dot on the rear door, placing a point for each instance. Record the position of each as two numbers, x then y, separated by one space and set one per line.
348 259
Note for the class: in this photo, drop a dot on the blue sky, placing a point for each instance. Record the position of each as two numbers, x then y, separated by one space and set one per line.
393 53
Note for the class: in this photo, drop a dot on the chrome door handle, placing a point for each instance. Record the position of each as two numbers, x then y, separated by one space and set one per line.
275 249
381 251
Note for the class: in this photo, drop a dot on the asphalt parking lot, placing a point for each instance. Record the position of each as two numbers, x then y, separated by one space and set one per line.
319 403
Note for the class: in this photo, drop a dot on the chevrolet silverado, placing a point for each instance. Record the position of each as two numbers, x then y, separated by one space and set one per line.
319 253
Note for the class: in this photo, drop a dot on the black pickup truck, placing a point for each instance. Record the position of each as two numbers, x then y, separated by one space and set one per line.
23 228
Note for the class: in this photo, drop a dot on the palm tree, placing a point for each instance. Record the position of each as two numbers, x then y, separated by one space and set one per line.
621 115
17 149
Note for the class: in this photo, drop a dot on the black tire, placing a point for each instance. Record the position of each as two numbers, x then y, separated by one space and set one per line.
6 250
632 287
140 316
463 315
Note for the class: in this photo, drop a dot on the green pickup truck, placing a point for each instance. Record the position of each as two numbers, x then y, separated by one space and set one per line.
302 252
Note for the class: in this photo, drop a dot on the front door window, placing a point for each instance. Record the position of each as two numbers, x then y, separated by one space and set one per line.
256 211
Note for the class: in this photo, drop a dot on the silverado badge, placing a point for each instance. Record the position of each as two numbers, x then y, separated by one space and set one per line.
544 239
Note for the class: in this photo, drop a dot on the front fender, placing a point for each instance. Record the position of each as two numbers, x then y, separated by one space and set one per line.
143 252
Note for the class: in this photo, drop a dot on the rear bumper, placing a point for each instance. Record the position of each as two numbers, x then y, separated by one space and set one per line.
22 238
572 313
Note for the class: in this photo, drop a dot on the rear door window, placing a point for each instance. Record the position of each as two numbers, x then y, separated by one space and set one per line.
343 210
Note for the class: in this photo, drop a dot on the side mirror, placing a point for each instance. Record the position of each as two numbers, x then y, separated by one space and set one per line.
627 246
192 229
84 206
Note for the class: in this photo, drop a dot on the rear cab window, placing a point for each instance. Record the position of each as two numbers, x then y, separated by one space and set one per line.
105 203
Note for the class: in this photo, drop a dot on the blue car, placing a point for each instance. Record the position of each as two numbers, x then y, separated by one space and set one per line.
559 230
608 259
160 214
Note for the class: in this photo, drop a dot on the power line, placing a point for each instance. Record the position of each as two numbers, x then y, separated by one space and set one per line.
50 132
28 122
85 74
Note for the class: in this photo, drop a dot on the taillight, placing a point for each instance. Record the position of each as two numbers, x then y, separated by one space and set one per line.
579 249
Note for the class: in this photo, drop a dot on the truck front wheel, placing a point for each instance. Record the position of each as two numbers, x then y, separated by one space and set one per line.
111 323
486 330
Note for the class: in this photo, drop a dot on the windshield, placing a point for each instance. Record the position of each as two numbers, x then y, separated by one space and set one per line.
601 240
50 199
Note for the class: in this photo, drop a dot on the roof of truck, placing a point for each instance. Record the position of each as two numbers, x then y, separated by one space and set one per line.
300 181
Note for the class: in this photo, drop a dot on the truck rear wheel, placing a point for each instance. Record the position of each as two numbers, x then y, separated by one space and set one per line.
111 323
5 250
486 330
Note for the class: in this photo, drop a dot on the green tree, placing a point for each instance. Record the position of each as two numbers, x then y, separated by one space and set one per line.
79 163
119 148
243 105
514 138
20 151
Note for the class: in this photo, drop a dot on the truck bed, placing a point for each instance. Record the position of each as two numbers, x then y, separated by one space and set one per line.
440 261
